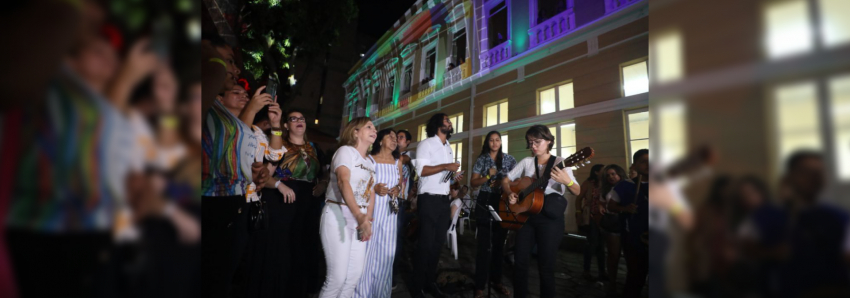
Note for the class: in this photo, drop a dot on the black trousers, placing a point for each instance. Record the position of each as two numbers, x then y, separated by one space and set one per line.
595 245
269 253
637 265
224 234
403 220
546 232
434 222
488 264
58 264
305 243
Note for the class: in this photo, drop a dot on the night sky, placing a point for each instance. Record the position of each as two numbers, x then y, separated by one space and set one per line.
378 16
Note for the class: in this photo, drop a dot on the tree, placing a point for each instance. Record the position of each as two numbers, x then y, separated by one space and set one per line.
275 32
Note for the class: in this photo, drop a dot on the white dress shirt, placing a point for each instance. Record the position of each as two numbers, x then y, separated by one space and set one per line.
525 168
432 152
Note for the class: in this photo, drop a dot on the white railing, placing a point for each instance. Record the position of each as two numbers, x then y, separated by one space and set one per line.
552 28
456 74
614 5
497 54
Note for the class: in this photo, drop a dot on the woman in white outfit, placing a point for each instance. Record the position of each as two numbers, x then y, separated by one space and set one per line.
346 222
377 277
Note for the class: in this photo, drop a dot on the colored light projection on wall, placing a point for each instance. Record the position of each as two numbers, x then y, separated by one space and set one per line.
390 45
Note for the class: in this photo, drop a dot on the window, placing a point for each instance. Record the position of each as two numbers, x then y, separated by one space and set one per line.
457 122
835 26
667 57
638 131
391 88
672 131
495 114
565 139
430 65
635 80
459 47
497 24
839 90
407 78
422 134
797 119
457 150
788 28
556 99
547 9
505 143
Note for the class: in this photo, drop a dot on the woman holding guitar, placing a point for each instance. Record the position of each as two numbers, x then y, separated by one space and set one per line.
546 228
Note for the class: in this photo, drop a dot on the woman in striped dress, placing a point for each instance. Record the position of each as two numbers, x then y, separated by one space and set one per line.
377 277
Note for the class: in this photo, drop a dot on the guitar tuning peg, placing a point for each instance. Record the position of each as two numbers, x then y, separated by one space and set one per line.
587 162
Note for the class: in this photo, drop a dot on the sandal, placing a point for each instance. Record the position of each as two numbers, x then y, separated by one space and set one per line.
500 288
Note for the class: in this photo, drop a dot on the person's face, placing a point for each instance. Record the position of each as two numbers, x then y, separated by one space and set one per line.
807 179
296 123
165 88
96 63
641 165
494 142
389 142
235 98
750 195
538 146
632 174
402 141
367 133
447 127
463 191
612 176
232 70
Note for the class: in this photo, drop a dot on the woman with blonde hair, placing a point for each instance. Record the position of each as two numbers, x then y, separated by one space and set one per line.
347 218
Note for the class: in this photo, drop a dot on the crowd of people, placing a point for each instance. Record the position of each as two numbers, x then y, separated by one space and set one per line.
271 201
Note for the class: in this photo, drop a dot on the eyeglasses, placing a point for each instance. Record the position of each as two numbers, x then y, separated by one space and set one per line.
297 119
536 142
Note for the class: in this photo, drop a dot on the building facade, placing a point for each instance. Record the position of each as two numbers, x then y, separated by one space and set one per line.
578 66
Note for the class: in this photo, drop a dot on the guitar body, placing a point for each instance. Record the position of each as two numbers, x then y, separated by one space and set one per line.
531 195
514 216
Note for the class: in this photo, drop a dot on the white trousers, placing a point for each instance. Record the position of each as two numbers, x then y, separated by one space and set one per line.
345 255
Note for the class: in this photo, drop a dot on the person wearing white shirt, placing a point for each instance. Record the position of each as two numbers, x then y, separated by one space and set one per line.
346 221
546 228
435 162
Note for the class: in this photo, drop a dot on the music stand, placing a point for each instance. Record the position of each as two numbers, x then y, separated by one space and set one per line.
494 216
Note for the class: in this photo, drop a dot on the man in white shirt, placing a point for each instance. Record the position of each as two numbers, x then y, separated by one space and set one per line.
435 162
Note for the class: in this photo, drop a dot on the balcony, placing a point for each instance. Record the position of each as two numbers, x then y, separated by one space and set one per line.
497 54
457 74
552 28
614 5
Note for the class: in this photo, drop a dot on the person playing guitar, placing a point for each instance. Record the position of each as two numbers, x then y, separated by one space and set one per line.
546 228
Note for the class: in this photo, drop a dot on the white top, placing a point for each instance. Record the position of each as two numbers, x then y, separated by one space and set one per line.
263 151
431 152
525 168
361 179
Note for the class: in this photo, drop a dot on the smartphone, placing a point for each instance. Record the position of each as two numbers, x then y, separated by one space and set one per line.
271 87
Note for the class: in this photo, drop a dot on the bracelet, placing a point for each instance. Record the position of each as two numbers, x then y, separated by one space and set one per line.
276 183
277 132
676 208
219 61
571 183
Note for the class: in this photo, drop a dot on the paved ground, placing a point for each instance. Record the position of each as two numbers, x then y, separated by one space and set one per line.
458 274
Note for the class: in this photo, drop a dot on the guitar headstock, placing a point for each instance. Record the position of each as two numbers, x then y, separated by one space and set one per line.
578 159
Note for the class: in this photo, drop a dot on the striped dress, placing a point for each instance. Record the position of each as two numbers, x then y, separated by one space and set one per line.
377 277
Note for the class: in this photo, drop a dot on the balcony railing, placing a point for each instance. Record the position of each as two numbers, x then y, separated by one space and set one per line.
614 5
497 54
552 28
457 74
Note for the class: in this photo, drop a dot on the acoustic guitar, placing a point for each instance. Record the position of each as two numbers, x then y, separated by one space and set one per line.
531 193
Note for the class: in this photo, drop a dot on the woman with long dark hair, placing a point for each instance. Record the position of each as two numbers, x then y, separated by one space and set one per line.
588 200
377 277
610 176
490 167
